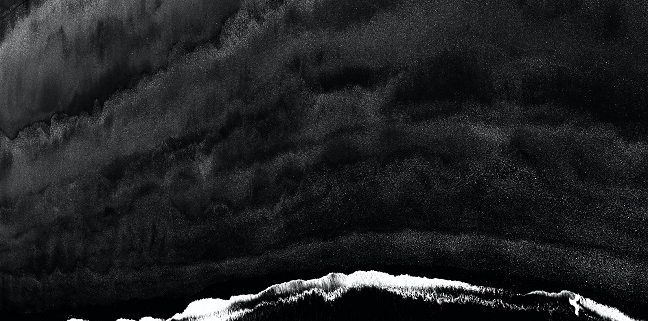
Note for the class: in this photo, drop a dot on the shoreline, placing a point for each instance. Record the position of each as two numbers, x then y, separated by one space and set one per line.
405 252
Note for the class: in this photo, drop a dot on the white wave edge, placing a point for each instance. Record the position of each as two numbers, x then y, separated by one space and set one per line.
334 285
330 287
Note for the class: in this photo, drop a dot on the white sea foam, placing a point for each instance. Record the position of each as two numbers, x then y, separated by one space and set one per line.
330 287
582 304
333 285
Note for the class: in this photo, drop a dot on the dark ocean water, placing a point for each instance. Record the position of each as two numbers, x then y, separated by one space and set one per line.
184 113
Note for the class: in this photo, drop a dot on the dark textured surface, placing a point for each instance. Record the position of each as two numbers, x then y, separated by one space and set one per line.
11 11
485 137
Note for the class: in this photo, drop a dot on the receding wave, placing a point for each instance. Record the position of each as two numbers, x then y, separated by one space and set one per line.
376 295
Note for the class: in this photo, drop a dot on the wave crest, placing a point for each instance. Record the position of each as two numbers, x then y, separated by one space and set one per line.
435 291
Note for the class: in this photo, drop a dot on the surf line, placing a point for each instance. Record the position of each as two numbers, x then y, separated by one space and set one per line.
581 303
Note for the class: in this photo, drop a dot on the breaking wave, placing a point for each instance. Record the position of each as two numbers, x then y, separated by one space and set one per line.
378 295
